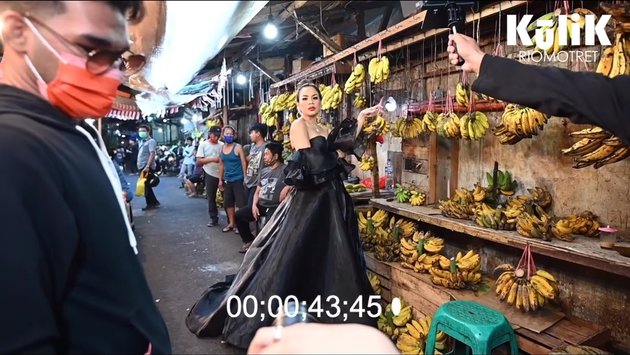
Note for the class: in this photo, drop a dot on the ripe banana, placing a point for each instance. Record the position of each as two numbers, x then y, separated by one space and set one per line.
527 295
407 128
429 122
518 122
366 163
449 126
378 69
355 80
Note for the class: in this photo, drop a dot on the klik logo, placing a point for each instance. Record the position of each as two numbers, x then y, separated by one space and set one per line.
544 34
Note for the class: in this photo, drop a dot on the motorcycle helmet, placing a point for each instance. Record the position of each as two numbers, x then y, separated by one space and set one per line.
155 181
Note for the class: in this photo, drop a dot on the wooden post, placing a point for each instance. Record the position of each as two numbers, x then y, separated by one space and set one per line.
454 165
376 193
432 193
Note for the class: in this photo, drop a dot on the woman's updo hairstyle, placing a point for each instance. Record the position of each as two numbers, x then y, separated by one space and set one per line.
304 83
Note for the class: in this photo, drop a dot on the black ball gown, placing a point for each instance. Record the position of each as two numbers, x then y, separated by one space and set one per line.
309 248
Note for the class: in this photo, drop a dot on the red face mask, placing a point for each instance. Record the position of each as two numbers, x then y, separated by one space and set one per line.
74 90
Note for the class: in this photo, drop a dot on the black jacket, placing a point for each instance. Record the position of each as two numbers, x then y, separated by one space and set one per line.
583 97
71 282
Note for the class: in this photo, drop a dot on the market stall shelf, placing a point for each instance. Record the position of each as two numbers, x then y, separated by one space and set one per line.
585 251
537 333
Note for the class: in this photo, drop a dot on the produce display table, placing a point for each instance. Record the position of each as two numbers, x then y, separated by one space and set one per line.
583 251
363 198
537 332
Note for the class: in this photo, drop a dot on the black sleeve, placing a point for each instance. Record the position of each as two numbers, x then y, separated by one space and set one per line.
38 237
583 97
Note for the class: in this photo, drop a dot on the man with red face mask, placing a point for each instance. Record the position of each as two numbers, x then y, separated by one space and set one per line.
71 280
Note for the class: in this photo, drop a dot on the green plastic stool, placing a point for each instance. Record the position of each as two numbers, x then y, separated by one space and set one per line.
479 327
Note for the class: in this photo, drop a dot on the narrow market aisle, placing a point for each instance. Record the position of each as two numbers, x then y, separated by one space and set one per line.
182 257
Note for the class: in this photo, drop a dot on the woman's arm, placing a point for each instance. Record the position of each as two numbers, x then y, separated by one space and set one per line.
220 172
298 135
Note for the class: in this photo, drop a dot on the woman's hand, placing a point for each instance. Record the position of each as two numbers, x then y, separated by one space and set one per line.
369 114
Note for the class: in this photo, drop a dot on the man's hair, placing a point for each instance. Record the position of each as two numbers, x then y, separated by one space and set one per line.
145 127
226 127
260 128
216 130
275 148
189 139
133 10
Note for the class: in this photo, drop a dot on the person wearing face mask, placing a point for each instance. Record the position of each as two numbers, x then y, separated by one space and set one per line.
72 280
232 165
147 164
271 190
310 247
208 156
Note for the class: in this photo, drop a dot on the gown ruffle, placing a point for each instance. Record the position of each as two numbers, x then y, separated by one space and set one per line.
309 248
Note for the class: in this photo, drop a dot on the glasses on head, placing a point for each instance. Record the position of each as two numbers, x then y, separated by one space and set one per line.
99 61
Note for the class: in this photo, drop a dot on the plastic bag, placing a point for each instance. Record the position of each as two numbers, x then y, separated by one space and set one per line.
140 184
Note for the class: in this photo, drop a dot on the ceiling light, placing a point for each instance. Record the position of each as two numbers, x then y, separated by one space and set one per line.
160 130
241 79
270 31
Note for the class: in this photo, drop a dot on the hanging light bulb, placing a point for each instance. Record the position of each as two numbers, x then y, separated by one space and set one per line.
391 105
270 31
241 79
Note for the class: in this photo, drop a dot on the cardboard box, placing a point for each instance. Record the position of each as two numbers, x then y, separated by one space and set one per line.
299 65
343 41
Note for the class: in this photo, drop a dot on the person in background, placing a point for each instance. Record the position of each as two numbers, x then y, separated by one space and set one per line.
271 190
119 157
71 278
257 134
232 165
583 97
190 181
188 162
131 157
147 164
208 156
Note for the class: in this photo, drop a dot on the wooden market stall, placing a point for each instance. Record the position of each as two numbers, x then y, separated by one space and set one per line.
592 282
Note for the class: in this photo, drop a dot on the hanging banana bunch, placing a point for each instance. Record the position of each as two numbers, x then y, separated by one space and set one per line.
518 122
473 125
378 69
360 102
554 35
614 59
407 128
331 97
267 115
356 79
596 147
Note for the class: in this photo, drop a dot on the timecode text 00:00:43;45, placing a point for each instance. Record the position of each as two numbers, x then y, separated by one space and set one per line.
251 307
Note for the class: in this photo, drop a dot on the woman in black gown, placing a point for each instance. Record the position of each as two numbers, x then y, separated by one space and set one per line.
310 248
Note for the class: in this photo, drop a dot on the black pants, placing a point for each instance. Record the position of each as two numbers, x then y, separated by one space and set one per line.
244 217
149 195
212 185
250 196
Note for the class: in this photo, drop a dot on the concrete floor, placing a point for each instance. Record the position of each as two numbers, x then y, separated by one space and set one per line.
182 257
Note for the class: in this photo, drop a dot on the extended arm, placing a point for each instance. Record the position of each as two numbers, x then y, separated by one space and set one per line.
583 97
